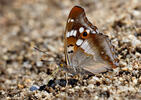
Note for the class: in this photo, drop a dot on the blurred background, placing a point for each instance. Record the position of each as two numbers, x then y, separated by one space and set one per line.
25 24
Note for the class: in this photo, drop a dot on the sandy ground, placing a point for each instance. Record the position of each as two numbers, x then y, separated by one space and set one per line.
26 73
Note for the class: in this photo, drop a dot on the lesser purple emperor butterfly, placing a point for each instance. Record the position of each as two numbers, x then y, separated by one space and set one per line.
86 49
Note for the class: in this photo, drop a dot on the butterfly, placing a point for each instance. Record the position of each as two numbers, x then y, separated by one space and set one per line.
86 49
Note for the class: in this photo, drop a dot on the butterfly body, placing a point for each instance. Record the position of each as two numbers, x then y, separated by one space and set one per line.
86 49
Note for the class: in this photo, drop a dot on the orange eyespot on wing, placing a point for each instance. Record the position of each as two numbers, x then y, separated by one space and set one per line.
84 35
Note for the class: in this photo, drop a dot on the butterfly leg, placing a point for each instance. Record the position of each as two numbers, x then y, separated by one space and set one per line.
66 77
74 69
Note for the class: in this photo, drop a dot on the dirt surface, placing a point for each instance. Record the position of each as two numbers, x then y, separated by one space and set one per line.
26 73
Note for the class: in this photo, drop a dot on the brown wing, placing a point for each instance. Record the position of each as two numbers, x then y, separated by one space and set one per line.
75 20
85 47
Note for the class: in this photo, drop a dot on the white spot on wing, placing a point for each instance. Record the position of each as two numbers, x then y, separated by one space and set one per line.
93 32
68 34
71 33
97 31
88 31
71 20
74 33
79 42
81 29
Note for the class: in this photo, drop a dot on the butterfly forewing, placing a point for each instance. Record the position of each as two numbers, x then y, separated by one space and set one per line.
85 47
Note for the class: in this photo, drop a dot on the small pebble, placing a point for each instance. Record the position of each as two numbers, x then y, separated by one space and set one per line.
34 88
134 80
76 87
71 90
39 63
20 86
90 87
105 88
27 65
95 78
96 98
136 13
28 80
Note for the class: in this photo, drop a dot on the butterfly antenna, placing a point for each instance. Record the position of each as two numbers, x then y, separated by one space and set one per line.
36 48
57 61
